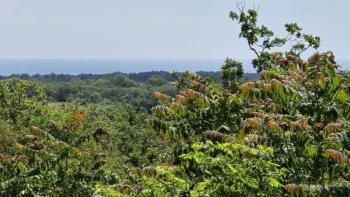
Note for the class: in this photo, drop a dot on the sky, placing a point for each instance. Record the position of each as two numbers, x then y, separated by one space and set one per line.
157 29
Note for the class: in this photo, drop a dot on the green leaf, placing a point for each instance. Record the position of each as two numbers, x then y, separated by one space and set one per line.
273 182
342 96
336 81
232 169
202 185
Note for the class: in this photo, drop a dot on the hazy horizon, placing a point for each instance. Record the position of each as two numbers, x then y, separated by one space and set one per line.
102 66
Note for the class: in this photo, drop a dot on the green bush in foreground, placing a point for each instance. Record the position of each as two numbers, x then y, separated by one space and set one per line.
287 133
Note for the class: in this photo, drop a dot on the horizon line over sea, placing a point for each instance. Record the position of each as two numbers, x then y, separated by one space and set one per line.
102 66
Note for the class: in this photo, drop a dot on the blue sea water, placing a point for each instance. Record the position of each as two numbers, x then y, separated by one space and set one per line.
98 66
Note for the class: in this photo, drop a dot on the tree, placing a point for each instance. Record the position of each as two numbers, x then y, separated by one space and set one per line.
262 41
156 80
21 101
232 74
299 110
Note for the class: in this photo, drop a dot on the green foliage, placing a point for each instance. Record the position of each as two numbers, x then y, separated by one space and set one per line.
284 134
20 102
156 80
262 41
299 110
232 74
78 149
200 106
227 169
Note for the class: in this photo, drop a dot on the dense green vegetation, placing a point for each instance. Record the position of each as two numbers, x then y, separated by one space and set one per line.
107 88
134 89
283 134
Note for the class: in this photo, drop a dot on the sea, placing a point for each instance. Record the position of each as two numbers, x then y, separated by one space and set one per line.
100 66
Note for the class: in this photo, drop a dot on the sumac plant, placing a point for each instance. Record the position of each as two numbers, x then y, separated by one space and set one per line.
43 165
21 102
284 134
54 161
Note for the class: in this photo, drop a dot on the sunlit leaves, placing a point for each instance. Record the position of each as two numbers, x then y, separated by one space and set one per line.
342 96
21 101
299 107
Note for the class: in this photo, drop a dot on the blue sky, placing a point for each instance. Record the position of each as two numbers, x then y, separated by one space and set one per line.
178 29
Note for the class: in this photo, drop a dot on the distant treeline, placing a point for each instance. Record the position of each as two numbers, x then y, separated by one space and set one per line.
137 77
134 89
